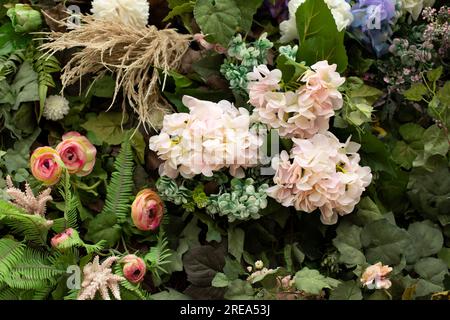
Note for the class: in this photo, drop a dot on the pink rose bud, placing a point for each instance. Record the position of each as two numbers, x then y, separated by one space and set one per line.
61 237
147 210
46 165
134 268
77 153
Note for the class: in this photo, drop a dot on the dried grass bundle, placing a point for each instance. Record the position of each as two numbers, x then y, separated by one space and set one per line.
135 56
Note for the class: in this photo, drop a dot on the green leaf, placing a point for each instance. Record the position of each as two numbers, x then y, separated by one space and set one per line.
432 269
236 242
322 48
444 94
435 74
311 281
427 238
318 35
314 19
248 9
104 87
104 227
170 294
435 141
416 92
107 127
218 19
404 155
233 269
239 290
202 263
411 132
220 280
208 65
444 255
348 243
139 145
348 290
384 242
367 212
179 10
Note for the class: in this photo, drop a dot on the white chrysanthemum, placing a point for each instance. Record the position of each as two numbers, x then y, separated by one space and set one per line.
56 108
130 12
340 10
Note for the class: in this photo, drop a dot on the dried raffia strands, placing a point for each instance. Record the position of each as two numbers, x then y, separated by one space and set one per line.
135 56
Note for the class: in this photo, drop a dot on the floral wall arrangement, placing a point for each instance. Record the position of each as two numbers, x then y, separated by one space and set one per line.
200 149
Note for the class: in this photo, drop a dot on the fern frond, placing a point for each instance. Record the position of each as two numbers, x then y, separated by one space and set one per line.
11 251
33 228
71 202
120 187
159 255
45 65
33 271
7 293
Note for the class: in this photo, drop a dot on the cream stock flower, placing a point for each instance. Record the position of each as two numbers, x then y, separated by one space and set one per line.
320 173
211 137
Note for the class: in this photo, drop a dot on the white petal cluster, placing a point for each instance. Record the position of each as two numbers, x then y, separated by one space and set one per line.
320 173
210 137
56 108
130 12
302 113
340 10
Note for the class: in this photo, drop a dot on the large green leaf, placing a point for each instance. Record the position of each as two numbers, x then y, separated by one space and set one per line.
348 290
107 127
104 227
236 242
218 18
311 281
432 269
348 243
427 238
384 242
318 35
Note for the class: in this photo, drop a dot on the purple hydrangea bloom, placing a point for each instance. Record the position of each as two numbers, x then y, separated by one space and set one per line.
278 9
372 23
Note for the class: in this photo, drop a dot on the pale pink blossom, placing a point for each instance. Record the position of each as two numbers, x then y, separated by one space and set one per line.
320 173
262 81
374 277
302 113
212 136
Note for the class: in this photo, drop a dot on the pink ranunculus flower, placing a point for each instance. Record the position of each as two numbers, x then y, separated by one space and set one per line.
134 268
320 173
147 210
374 277
61 237
46 165
77 153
